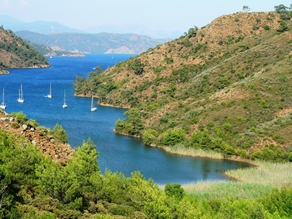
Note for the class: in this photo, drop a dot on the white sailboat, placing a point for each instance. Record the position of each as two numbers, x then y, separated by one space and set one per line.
92 108
3 105
65 104
50 94
20 98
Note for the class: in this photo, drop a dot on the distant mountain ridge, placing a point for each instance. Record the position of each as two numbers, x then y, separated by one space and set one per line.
44 27
47 27
138 29
60 39
93 43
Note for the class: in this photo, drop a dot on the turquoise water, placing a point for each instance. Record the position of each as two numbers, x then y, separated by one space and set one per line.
117 153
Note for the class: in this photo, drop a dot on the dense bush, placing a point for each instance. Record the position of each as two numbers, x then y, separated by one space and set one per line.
149 136
174 136
131 125
136 65
20 117
60 133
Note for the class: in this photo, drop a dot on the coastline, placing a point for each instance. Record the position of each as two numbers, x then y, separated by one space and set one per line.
102 104
191 152
182 151
4 72
246 177
112 106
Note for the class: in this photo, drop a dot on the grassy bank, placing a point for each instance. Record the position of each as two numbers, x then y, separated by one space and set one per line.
253 182
192 152
221 189
249 183
267 173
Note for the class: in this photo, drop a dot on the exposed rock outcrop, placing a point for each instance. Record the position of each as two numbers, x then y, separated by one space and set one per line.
3 71
47 143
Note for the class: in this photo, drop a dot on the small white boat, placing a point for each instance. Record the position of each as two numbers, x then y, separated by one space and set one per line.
65 104
3 105
50 94
20 98
92 109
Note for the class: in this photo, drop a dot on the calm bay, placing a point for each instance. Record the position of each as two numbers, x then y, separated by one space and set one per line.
116 152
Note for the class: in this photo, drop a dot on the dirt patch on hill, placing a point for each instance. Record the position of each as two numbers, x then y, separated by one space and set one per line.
47 143
283 112
229 94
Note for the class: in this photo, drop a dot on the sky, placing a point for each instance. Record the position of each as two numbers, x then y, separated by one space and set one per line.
167 15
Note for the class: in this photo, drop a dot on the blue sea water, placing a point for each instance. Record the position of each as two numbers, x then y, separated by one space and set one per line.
116 152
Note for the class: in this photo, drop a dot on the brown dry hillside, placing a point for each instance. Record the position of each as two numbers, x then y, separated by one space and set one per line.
38 136
228 83
16 53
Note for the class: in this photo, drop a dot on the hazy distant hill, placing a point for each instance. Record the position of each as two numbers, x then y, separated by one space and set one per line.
93 43
225 87
44 27
48 51
138 29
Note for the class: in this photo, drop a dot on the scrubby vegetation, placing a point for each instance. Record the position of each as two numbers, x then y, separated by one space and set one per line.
34 186
225 87
60 133
15 52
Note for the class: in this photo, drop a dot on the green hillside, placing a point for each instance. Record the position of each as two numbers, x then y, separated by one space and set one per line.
225 87
34 186
16 53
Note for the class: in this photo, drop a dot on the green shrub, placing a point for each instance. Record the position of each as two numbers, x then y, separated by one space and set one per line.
163 119
172 124
174 190
168 60
15 125
174 136
187 43
149 136
33 123
59 133
136 65
19 117
118 210
227 127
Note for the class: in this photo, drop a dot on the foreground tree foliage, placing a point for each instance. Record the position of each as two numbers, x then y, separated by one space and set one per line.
34 186
60 133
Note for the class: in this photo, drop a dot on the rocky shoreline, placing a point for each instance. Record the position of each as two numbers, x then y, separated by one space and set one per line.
3 72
